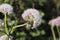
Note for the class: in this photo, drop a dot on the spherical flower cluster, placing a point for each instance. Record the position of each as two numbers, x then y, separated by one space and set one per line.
55 22
52 22
6 8
4 37
32 15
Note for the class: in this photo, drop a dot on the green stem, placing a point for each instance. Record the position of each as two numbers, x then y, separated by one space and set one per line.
5 25
53 34
12 30
58 31
7 38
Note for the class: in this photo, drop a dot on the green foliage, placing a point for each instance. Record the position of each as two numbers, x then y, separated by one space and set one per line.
10 26
58 3
37 33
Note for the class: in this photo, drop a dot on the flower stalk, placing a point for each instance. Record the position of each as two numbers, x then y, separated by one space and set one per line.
5 25
12 30
58 31
53 34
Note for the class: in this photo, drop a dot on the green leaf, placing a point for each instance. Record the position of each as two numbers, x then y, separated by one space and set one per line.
34 34
21 33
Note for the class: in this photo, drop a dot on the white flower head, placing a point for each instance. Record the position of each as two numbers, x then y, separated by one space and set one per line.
32 15
6 8
58 21
55 22
4 37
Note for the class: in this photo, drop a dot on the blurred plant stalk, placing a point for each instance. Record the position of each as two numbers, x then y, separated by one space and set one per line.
12 30
5 26
53 34
58 31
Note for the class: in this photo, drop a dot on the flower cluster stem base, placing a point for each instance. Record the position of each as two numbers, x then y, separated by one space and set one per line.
53 34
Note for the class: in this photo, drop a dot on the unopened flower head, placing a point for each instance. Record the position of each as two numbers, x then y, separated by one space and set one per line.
55 22
32 15
6 8
4 37
58 21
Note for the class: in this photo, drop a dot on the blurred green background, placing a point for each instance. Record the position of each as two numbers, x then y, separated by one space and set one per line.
49 9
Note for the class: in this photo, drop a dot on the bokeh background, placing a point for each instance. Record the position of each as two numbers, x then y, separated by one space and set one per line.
49 9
